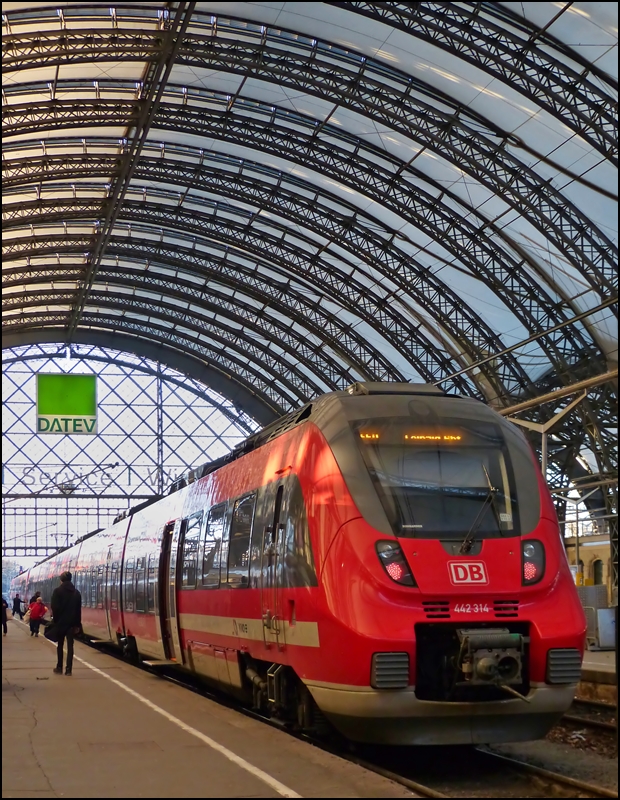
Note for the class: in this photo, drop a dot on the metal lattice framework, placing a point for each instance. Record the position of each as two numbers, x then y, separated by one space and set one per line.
284 204
156 423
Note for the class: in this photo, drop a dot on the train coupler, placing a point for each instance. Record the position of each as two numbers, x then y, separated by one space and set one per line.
493 656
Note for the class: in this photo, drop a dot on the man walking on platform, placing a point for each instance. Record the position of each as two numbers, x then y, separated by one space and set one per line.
17 607
67 615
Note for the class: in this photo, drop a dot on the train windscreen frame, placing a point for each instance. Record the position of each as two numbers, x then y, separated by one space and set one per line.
441 476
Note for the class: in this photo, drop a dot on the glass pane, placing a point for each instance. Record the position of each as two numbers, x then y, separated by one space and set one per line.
93 587
297 558
191 540
114 588
441 479
152 582
141 590
214 537
239 553
129 590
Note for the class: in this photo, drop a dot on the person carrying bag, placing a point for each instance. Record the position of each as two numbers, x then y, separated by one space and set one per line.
67 615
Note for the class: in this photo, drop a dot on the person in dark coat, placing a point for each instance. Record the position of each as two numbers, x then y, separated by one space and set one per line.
33 599
17 607
67 616
5 606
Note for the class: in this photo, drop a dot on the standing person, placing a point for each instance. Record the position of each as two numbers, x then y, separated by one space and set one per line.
5 606
17 607
67 616
37 611
33 599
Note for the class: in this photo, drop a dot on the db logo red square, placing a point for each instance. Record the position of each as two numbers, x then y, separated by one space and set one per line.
467 572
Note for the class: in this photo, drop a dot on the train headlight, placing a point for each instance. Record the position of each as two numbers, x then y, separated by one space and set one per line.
532 561
394 563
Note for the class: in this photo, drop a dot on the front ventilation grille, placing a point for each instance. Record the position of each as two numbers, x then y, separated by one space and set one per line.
563 666
506 608
390 671
436 609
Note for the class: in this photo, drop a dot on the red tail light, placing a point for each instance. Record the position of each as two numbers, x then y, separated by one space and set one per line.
394 563
532 561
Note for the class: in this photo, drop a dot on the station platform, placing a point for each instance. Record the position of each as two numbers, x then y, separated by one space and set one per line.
599 666
598 676
111 730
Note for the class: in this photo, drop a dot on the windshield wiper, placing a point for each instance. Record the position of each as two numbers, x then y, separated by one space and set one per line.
468 541
493 491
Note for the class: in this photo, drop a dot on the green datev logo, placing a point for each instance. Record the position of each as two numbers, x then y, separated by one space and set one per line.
67 404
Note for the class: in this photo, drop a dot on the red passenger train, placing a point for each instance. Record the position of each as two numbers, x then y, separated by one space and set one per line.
386 558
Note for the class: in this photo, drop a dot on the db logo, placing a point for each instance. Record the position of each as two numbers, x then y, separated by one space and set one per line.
467 572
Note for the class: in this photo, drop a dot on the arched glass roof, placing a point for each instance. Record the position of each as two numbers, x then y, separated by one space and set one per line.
282 198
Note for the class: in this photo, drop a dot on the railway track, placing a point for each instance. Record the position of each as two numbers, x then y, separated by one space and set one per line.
516 776
592 714
522 779
546 783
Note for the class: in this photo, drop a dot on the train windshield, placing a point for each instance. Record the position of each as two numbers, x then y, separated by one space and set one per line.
442 477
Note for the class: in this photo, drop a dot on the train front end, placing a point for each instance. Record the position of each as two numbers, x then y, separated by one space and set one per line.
451 597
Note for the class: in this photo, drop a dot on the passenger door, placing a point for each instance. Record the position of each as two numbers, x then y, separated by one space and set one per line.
171 538
107 599
162 616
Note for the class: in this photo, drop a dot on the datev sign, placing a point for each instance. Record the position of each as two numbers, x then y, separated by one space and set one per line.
67 404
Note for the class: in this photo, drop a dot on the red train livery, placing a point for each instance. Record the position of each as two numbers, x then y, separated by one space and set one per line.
386 558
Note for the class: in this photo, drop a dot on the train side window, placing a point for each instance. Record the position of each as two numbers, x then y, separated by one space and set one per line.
114 587
263 516
86 587
93 587
239 548
297 560
129 593
99 587
212 551
141 584
191 541
272 532
151 583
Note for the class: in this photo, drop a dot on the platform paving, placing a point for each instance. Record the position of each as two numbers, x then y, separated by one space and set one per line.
599 666
88 736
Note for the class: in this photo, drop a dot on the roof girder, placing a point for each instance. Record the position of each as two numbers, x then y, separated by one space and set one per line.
351 348
405 104
469 31
344 288
504 275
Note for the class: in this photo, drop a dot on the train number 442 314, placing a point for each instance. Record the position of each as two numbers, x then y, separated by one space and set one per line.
471 608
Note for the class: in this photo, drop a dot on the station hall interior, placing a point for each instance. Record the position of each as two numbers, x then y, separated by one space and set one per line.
299 264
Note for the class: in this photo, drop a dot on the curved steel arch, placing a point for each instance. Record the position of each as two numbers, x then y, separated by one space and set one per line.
367 91
361 300
245 374
479 34
535 309
466 328
247 396
351 348
505 275
239 313
403 103
118 360
160 313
